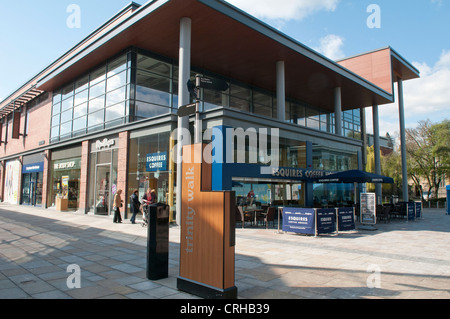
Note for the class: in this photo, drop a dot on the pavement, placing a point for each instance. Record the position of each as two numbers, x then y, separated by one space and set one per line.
399 260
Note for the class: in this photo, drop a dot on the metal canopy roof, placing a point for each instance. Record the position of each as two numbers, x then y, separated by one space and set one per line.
20 100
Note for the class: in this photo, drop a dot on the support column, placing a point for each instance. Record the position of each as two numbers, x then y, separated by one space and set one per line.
183 99
376 151
46 178
401 110
338 111
122 169
309 190
281 91
84 178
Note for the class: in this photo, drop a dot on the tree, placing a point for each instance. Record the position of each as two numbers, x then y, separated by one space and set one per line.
428 150
391 166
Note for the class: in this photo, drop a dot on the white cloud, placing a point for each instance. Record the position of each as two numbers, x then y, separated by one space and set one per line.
331 47
284 9
429 96
424 98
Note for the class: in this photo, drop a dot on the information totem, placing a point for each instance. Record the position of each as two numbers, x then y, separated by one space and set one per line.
207 252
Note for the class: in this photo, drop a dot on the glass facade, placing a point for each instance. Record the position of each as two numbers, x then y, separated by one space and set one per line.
138 85
274 193
328 159
93 102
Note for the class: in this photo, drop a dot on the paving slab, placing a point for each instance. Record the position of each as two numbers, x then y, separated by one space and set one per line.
403 260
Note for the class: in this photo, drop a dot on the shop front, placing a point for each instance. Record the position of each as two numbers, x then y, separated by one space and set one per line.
103 175
32 181
150 165
64 182
11 185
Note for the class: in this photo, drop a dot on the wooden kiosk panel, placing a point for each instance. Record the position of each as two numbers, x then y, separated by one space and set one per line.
207 232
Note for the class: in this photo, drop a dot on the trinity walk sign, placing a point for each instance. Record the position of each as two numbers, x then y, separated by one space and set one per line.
207 254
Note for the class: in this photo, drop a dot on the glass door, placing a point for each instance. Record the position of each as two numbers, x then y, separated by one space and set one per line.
26 189
103 189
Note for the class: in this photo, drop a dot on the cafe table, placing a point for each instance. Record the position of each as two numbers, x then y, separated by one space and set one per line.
255 212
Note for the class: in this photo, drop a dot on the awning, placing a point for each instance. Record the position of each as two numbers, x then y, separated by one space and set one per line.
355 176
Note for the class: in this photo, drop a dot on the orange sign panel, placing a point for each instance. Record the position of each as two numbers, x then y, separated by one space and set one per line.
207 226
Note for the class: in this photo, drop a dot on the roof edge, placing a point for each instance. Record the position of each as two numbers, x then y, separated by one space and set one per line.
131 5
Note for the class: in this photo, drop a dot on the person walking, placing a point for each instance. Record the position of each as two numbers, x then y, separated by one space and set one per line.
117 204
135 205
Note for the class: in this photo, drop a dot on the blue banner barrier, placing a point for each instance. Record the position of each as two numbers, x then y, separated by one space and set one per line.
411 211
418 209
299 220
346 219
326 221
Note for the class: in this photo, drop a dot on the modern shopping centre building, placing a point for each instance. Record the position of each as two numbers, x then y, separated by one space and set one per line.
101 117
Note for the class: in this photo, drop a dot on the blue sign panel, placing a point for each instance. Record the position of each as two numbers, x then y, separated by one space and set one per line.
410 212
346 219
418 209
299 220
156 162
33 168
326 221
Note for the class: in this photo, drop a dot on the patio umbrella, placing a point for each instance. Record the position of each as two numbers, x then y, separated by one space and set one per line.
355 176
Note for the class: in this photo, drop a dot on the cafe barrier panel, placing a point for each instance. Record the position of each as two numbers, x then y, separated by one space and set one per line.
313 221
413 210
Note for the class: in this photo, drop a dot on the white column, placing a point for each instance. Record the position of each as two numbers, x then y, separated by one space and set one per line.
376 150
338 111
281 91
401 110
183 99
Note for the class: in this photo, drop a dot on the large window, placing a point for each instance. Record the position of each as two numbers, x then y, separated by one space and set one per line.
94 101
154 87
315 118
325 158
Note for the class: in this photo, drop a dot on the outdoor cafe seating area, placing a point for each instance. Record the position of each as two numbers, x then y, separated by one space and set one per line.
260 215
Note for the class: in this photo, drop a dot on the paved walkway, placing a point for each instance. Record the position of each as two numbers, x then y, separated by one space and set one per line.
399 260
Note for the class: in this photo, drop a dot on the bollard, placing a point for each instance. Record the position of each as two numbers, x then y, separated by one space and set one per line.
158 241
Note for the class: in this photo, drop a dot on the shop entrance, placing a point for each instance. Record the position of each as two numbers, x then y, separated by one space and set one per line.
102 189
32 189
103 179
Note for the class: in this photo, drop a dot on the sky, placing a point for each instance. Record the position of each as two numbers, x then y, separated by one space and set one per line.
33 34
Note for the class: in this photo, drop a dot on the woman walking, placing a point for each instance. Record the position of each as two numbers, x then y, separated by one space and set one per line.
117 204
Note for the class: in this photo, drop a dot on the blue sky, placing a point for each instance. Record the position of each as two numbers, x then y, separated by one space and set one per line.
35 33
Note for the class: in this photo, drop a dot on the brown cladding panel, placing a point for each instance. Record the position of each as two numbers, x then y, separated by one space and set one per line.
205 254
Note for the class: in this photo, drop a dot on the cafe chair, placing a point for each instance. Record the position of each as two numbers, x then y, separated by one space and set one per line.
267 217
243 217
384 214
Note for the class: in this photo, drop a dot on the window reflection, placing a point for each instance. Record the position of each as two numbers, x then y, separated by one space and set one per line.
152 88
